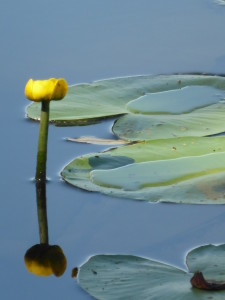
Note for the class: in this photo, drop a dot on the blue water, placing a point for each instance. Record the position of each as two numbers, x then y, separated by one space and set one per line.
82 41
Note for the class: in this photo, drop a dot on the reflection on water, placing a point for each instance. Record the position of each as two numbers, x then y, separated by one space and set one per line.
221 2
44 259
42 211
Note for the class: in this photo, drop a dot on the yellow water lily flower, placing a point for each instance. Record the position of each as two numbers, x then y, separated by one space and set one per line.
46 90
45 260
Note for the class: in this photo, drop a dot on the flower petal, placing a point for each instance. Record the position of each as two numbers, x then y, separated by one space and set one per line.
60 89
46 90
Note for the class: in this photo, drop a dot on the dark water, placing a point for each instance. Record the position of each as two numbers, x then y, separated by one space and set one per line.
84 41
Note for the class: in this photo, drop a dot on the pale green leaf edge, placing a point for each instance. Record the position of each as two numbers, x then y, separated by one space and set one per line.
112 277
78 171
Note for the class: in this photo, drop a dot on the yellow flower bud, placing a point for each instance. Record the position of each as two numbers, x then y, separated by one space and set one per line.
45 260
46 90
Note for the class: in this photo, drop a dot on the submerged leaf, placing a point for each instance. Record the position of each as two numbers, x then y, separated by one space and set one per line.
114 277
97 141
182 170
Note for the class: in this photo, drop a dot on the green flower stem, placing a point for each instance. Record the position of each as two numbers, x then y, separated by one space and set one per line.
42 143
42 211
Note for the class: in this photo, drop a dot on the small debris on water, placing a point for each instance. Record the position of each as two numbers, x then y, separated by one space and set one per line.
74 272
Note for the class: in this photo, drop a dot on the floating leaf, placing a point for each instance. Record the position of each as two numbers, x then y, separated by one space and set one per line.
210 260
202 122
137 176
178 101
88 103
182 170
97 141
114 277
190 111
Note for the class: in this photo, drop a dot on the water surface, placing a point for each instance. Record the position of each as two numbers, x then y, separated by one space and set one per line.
84 41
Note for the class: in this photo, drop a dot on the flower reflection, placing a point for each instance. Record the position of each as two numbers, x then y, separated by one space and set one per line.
44 259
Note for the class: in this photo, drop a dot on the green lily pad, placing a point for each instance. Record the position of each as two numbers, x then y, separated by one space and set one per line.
202 122
215 258
183 100
88 103
137 176
181 170
114 277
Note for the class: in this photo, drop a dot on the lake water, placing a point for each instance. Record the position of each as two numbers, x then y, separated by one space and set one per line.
82 41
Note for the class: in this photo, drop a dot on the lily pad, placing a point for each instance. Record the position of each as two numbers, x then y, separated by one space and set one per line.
88 103
114 277
183 100
202 122
210 260
189 111
137 176
181 170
